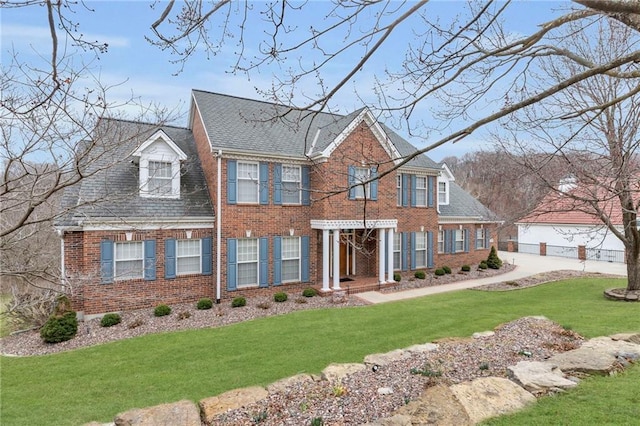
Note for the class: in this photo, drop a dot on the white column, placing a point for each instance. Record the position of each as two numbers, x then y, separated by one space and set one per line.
336 259
325 260
390 257
381 254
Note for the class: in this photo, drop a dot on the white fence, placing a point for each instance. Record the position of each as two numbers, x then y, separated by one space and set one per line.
616 256
606 255
559 251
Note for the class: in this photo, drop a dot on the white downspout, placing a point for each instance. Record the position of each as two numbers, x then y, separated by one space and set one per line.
62 272
218 225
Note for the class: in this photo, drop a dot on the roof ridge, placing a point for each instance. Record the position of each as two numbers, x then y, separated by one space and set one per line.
146 123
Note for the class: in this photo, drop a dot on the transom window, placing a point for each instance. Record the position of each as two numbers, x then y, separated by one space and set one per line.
441 241
421 249
480 236
291 184
397 250
459 240
421 191
290 259
362 174
159 182
129 260
188 259
442 193
248 182
247 262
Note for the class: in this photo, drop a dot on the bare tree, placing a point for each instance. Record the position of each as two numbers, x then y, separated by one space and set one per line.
595 138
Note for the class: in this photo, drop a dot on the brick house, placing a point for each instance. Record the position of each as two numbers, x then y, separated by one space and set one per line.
240 203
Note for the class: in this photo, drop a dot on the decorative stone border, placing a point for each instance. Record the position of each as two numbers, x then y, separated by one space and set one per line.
622 295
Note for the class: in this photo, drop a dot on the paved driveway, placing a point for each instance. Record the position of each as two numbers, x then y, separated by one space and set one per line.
526 265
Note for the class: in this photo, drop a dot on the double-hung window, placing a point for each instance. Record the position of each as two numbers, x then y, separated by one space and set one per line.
459 240
480 237
160 180
188 257
443 197
441 241
290 259
291 184
129 260
397 251
362 174
248 182
421 249
247 256
421 191
399 189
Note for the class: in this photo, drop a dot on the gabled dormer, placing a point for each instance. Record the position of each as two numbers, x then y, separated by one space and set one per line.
444 180
159 162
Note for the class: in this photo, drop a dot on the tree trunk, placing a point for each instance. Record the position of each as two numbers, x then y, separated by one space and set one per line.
633 268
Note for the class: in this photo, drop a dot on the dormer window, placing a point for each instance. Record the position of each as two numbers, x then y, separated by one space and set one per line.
159 165
443 193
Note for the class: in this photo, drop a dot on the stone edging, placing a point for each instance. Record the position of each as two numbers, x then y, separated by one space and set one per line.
621 294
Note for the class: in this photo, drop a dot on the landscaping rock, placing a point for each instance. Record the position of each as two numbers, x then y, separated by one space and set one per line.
426 347
488 397
179 413
539 377
480 334
627 337
385 391
596 356
281 385
334 373
385 358
438 405
231 400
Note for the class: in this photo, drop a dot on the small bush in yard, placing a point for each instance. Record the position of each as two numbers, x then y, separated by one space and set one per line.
238 302
420 275
446 269
161 310
493 261
184 315
439 272
280 297
466 268
60 328
110 320
204 303
483 265
309 292
397 277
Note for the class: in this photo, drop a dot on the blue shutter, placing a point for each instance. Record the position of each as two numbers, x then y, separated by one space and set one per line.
264 183
413 190
413 250
405 190
207 258
170 258
106 261
277 260
487 238
466 241
351 181
373 186
404 250
430 249
232 182
232 273
305 265
430 185
263 279
306 185
277 183
452 241
149 260
447 241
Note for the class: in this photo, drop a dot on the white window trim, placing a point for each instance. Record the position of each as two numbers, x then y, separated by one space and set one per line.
199 257
441 247
480 241
283 258
459 240
256 180
399 190
446 192
397 237
366 188
298 182
422 190
144 176
257 262
423 257
116 277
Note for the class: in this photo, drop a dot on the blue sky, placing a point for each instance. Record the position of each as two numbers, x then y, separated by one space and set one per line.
134 67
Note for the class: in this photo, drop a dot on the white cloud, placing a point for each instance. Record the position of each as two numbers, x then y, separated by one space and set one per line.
36 36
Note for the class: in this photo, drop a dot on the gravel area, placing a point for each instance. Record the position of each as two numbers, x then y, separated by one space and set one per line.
369 395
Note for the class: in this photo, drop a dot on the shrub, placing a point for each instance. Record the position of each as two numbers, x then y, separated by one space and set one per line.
420 275
439 272
465 268
317 421
397 277
205 303
264 305
446 269
309 292
279 297
483 265
493 261
238 302
110 319
60 328
135 324
184 315
161 310
301 300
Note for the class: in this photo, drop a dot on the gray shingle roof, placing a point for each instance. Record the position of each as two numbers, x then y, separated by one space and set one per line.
111 189
463 204
241 124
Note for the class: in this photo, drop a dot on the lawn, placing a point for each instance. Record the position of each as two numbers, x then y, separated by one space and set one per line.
96 383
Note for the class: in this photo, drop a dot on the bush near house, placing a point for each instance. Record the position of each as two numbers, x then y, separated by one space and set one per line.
397 277
161 310
483 265
280 297
309 292
493 261
60 328
110 320
439 272
465 268
204 303
238 302
446 269
420 275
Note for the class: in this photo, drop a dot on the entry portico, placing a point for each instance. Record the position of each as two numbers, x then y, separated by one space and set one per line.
331 230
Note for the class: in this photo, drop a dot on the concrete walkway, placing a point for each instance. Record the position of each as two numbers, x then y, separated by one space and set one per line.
526 265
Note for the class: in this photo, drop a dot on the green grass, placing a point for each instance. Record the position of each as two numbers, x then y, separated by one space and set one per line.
96 383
